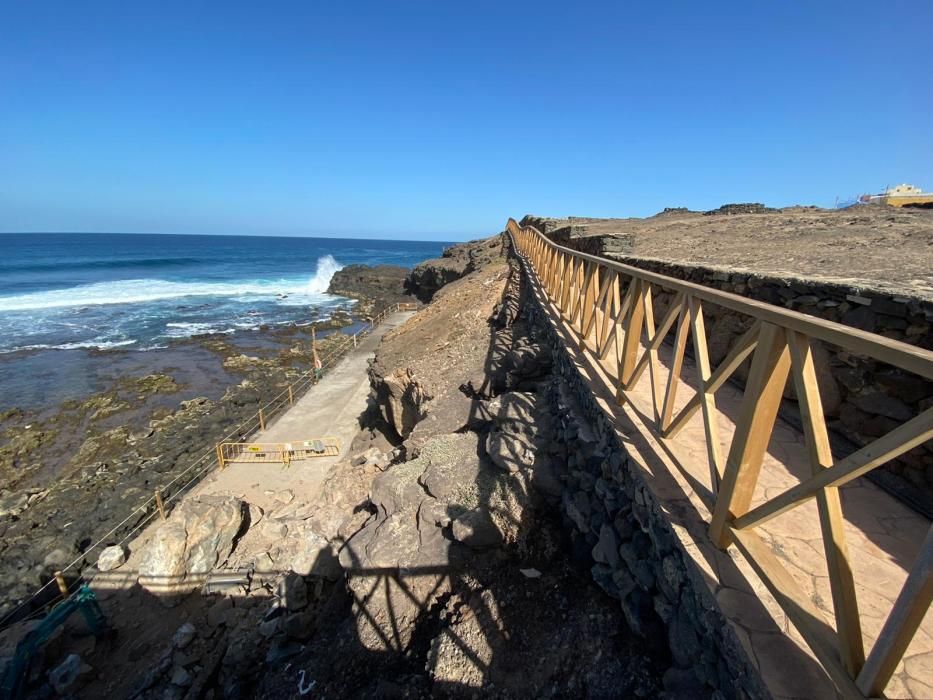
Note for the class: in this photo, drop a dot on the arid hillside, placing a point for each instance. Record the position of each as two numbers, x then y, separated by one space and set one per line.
872 246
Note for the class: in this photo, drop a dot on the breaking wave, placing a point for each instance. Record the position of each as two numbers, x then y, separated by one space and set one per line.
326 267
139 291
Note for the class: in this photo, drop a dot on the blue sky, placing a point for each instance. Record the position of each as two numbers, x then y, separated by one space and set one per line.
440 120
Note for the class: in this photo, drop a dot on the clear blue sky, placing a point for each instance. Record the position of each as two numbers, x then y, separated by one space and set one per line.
441 119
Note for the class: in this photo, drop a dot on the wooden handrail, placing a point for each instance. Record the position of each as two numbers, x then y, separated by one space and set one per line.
609 308
897 353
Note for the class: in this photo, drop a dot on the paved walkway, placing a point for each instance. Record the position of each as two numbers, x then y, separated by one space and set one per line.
331 408
883 535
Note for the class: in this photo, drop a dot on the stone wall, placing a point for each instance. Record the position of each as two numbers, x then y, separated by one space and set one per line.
862 399
616 524
608 245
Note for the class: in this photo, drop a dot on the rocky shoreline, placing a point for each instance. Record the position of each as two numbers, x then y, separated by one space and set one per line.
432 562
71 473
373 286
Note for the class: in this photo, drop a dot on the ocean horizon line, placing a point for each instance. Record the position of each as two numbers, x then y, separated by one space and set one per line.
227 235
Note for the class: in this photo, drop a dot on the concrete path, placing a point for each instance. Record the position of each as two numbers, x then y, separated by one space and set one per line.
329 409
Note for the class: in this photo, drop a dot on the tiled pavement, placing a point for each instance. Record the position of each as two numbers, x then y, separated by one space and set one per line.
883 535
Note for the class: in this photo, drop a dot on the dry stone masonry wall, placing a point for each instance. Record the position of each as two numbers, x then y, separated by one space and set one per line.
863 399
617 526
608 245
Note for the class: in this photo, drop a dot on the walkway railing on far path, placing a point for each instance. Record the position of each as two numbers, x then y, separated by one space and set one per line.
608 306
164 495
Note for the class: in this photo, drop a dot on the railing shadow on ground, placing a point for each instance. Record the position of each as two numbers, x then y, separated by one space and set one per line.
728 405
499 600
472 615
791 659
568 275
126 655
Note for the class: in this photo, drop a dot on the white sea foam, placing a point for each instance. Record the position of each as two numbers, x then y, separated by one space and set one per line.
186 330
326 267
98 344
140 291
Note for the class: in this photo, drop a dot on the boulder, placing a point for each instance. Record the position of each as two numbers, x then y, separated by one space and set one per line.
372 456
401 397
56 559
314 556
299 626
477 530
65 677
396 571
453 463
327 519
183 636
398 489
509 451
111 558
219 612
347 487
200 534
181 677
292 592
274 529
606 549
449 413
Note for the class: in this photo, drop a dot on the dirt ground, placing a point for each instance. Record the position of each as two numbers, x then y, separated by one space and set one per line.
873 246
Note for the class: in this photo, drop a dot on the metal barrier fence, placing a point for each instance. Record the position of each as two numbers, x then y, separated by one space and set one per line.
608 307
167 493
284 452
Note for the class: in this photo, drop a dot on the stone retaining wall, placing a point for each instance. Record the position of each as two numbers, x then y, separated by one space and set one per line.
608 245
636 556
862 399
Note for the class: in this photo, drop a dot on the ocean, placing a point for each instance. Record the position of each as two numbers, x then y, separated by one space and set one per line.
143 292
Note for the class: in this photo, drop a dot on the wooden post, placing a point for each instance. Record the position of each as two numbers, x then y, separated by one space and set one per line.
588 311
220 456
62 584
159 504
705 394
291 395
842 584
632 338
262 420
677 360
763 389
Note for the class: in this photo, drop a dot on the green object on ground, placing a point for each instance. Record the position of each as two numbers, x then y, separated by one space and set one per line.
84 600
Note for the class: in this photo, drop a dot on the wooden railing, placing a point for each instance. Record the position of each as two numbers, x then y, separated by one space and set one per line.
609 308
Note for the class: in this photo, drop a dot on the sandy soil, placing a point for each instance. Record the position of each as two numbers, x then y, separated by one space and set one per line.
868 246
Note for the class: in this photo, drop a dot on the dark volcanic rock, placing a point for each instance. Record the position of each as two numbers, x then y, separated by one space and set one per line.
456 262
746 208
383 284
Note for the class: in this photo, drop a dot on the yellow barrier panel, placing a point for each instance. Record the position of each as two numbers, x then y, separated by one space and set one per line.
284 452
289 395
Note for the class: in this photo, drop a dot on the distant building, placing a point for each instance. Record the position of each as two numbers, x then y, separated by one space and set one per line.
900 196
